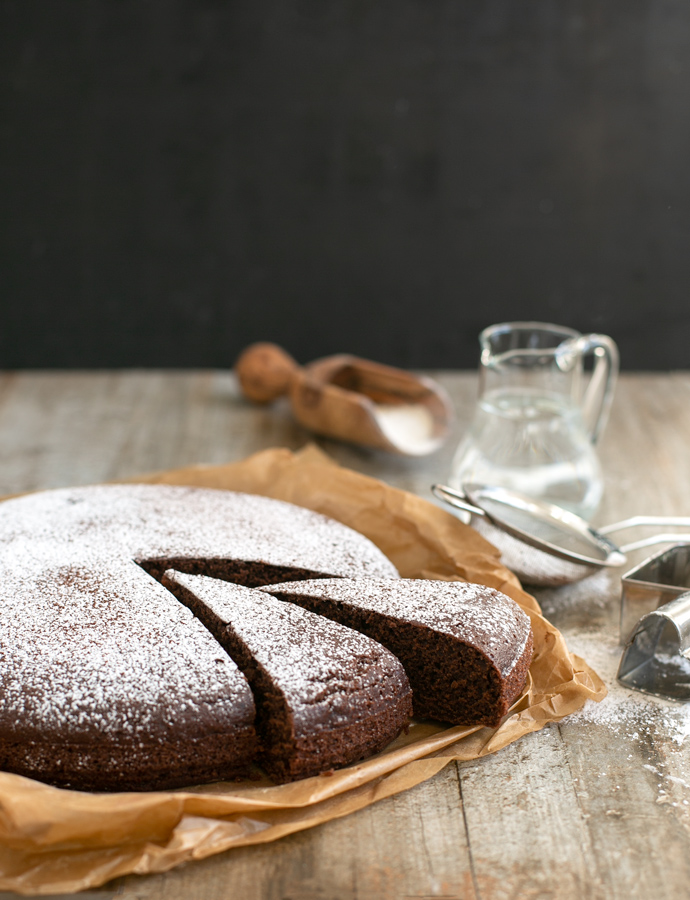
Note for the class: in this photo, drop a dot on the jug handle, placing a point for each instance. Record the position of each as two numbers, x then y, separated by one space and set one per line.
596 403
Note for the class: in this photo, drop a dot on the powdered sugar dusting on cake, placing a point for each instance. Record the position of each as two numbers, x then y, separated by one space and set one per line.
148 521
91 644
109 654
328 674
471 612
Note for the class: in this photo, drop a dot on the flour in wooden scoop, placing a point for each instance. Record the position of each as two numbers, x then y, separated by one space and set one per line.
408 426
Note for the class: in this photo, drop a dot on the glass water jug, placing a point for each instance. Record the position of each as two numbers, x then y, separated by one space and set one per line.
537 417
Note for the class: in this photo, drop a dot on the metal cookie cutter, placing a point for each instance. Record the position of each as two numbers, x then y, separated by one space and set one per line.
657 580
656 659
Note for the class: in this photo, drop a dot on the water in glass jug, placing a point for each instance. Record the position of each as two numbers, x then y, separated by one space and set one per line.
536 423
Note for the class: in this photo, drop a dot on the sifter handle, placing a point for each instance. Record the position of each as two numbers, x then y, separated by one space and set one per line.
636 521
656 539
455 498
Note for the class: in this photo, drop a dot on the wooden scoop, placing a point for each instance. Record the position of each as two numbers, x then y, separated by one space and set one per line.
351 399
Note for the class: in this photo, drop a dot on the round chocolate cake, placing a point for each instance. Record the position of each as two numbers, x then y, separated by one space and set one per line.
127 664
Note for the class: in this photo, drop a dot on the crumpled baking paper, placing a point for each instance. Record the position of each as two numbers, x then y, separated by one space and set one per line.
59 841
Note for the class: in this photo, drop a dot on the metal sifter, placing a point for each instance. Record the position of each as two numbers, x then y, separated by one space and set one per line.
543 544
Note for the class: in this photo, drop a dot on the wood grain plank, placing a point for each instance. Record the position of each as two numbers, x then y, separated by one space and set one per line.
528 837
61 428
640 844
408 846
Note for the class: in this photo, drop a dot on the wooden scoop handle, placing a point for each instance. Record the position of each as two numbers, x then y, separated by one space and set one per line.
265 372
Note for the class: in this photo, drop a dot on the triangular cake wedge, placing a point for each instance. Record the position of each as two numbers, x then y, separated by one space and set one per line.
466 648
325 695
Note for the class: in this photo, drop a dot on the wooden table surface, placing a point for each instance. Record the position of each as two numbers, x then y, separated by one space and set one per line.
597 806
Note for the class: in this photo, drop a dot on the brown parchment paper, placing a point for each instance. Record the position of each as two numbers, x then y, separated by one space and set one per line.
58 841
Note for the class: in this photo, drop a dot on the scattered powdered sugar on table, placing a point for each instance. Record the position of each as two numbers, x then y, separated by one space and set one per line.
625 711
638 729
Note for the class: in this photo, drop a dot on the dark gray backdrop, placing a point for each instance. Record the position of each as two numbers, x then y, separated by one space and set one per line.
384 177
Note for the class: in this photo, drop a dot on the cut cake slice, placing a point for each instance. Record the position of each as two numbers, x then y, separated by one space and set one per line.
325 695
466 648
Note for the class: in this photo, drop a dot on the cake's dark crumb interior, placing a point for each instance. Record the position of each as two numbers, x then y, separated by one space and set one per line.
450 680
323 751
249 574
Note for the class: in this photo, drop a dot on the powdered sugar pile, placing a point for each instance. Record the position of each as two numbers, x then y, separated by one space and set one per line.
408 426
